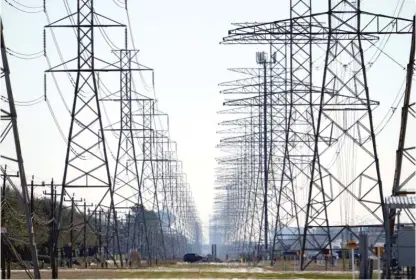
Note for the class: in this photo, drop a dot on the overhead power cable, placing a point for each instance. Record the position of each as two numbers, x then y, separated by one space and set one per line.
119 4
35 100
21 9
9 50
134 47
60 129
26 6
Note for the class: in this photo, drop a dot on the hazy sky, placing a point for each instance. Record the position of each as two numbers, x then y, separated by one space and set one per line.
180 40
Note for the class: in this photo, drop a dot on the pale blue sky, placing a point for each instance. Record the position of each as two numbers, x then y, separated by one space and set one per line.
180 40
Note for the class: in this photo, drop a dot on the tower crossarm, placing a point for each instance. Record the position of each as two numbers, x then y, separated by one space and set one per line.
278 31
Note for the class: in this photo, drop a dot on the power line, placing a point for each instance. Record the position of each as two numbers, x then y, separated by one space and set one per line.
134 47
26 6
107 39
25 54
35 100
22 10
393 109
55 120
119 4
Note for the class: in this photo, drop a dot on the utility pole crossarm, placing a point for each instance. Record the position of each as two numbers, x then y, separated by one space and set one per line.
72 18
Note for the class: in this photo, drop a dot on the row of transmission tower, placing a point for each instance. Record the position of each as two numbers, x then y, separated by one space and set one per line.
300 171
140 193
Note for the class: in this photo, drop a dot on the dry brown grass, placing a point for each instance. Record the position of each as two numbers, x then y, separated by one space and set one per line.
106 273
281 270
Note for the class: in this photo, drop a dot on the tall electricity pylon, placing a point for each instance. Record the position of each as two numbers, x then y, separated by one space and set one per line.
404 172
126 188
338 116
148 163
251 173
11 117
298 127
84 167
346 111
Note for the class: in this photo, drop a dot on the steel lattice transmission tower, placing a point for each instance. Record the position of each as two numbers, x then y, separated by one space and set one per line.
85 168
147 161
337 115
298 127
11 117
404 173
346 111
126 180
251 173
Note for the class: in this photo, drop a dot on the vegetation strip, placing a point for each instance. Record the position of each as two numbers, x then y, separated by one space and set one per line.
101 274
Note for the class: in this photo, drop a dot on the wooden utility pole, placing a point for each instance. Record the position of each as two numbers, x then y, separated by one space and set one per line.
52 230
99 239
53 260
53 250
3 204
85 231
135 226
114 239
95 229
32 203
71 233
128 233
